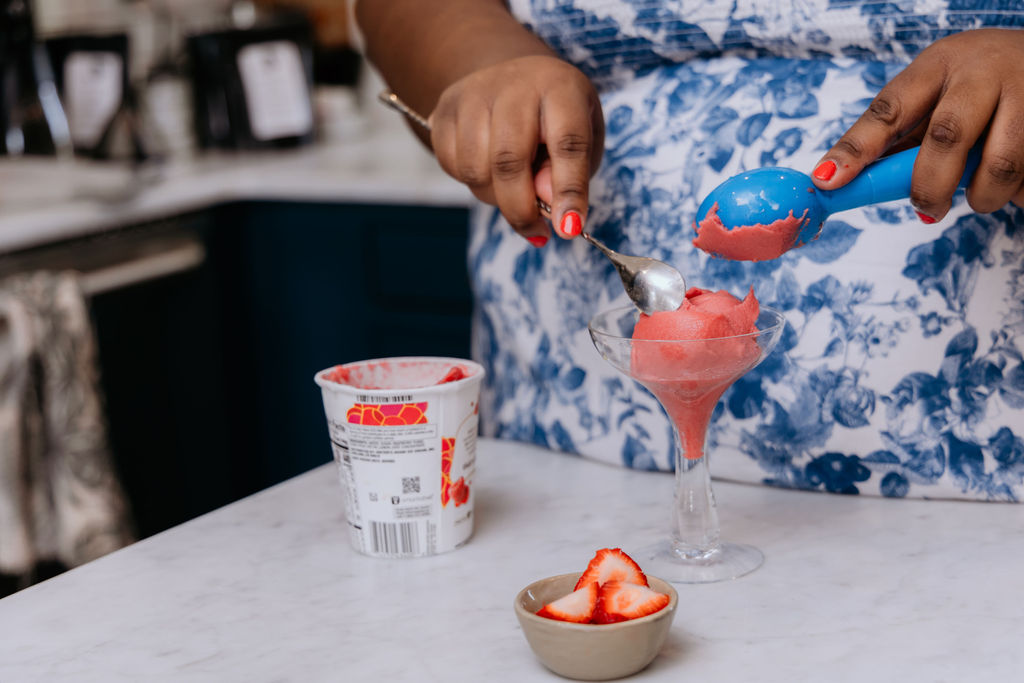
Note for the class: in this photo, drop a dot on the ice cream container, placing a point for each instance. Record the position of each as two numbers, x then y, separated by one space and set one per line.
403 432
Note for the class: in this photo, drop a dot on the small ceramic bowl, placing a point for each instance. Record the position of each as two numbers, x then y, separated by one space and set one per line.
591 652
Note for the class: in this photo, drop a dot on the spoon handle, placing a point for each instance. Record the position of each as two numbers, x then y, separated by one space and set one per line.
395 102
886 180
607 251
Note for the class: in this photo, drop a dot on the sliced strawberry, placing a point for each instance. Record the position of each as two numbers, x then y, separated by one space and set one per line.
577 606
621 601
611 564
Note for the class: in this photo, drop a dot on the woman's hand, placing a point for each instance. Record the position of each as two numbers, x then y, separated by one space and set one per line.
962 88
523 127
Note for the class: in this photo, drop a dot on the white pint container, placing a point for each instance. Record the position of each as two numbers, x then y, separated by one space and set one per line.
404 432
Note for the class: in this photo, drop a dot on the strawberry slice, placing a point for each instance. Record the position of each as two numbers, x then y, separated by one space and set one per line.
577 607
621 601
611 564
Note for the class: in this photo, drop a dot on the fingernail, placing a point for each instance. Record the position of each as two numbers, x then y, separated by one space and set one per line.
825 170
571 224
927 220
537 240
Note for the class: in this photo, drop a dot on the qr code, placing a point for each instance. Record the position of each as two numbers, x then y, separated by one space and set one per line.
410 484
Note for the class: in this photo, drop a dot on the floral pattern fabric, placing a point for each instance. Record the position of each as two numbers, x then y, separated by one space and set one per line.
60 497
901 370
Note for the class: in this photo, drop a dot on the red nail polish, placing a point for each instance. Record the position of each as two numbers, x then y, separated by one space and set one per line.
537 240
825 170
571 225
927 220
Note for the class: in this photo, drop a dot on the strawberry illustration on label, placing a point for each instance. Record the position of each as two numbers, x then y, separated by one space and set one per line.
388 414
447 453
460 492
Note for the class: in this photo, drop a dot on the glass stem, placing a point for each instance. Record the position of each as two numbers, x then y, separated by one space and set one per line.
694 515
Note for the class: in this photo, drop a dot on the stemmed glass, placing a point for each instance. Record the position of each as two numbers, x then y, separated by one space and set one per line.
688 377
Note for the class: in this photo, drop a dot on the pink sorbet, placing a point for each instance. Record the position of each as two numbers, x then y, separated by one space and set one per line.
748 242
688 357
454 374
396 374
343 375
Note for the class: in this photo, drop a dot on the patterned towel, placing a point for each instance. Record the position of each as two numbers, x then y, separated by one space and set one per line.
60 499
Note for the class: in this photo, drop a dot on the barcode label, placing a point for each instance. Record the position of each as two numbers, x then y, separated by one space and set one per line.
397 538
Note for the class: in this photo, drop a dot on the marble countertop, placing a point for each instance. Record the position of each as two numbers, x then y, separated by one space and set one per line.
43 200
268 589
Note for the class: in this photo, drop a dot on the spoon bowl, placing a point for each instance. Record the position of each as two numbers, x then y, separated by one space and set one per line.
651 284
764 197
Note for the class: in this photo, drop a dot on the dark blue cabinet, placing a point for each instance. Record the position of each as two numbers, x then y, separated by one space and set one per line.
209 374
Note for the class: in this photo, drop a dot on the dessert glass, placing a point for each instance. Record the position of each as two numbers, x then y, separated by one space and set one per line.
688 377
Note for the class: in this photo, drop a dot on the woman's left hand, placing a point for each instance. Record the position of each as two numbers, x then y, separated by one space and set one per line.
961 89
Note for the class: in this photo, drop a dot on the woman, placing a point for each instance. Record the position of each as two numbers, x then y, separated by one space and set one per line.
901 370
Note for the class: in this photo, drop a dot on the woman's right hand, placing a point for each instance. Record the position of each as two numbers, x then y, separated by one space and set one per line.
522 128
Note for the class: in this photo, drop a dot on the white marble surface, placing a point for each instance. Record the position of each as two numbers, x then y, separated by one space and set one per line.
267 589
44 200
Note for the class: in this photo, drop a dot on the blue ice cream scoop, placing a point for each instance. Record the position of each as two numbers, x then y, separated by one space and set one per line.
766 195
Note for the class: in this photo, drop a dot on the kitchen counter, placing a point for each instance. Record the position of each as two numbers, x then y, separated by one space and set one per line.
43 200
268 589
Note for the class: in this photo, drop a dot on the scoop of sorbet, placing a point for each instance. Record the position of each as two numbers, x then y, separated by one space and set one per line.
711 324
688 357
704 314
755 242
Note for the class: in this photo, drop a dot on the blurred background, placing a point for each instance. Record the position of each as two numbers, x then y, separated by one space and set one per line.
201 205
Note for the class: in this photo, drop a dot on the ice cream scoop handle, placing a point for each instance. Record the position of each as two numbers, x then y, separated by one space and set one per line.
886 180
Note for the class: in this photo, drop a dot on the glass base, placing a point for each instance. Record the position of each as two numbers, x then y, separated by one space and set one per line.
729 561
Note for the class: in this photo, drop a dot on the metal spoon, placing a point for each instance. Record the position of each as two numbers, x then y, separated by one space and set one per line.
651 284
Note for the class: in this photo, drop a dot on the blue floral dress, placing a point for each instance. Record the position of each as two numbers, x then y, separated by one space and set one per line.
900 372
